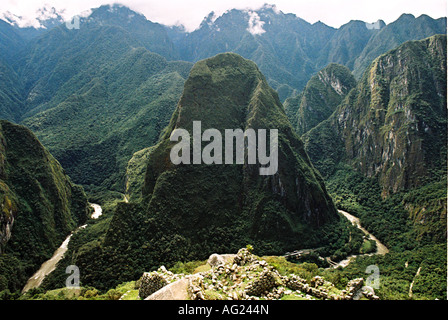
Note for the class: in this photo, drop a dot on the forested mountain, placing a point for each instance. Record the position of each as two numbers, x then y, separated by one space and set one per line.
11 93
11 87
152 36
405 28
188 212
290 50
367 100
393 123
322 94
113 113
49 77
282 45
391 129
40 205
285 201
10 42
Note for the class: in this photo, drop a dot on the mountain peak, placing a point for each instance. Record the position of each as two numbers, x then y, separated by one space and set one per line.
406 16
227 92
116 14
269 8
209 20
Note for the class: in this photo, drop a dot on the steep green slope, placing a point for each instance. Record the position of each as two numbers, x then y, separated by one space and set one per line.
322 94
76 75
93 95
289 50
347 43
228 92
135 174
50 65
40 205
152 36
58 56
187 212
99 119
10 42
11 93
405 28
392 130
394 123
11 87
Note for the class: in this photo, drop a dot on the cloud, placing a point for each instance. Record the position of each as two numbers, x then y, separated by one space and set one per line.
19 20
40 15
192 12
255 24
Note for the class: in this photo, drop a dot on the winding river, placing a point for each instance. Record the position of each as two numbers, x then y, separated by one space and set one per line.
381 248
50 265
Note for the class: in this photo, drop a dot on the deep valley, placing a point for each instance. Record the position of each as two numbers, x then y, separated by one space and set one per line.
360 180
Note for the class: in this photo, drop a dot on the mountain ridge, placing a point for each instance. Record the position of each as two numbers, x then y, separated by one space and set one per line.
319 99
51 72
40 204
306 52
384 147
404 98
365 134
179 212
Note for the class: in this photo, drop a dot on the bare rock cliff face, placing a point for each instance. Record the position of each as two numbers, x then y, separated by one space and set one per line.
393 124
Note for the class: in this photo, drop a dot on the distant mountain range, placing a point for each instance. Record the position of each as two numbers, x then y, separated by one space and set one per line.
46 73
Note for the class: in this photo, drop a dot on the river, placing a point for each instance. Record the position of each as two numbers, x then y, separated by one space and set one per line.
381 248
50 265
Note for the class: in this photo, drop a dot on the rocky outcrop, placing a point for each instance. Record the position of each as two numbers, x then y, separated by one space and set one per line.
321 96
6 224
177 290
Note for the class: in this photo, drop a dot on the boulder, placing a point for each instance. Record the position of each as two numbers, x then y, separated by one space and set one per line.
216 260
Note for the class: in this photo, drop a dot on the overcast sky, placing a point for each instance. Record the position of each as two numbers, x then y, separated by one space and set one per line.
191 12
